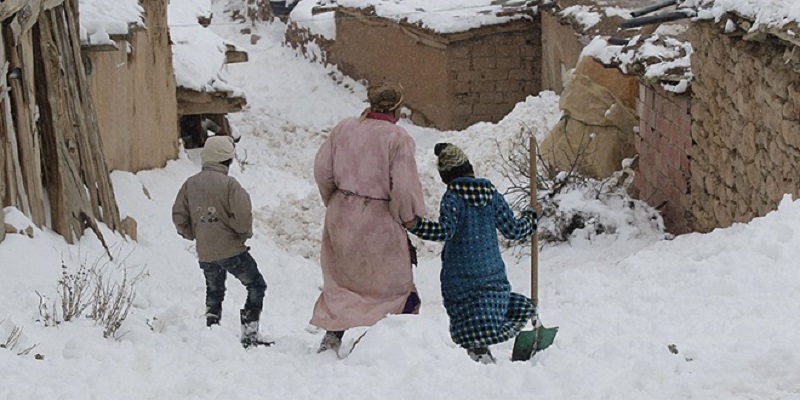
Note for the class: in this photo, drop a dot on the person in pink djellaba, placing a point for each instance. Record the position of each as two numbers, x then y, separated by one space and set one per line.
368 179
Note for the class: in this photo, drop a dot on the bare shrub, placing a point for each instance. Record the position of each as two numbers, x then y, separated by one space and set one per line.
556 222
112 300
12 341
96 287
74 291
515 162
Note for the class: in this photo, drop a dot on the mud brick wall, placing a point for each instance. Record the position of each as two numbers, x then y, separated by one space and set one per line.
561 49
746 112
664 143
487 76
376 49
451 81
134 96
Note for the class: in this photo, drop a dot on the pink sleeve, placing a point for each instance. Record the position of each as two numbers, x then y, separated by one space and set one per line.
406 200
323 170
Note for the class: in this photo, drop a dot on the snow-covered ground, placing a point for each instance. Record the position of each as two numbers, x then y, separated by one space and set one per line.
703 316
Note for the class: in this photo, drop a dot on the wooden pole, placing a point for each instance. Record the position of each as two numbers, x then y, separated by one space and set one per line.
5 200
533 146
12 157
54 129
22 90
102 197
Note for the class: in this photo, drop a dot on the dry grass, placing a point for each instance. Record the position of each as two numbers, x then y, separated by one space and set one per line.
103 291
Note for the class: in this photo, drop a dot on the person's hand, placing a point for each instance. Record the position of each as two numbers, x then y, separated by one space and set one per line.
410 224
531 213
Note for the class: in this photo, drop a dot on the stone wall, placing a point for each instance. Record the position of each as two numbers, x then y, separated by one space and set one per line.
134 96
664 143
746 127
451 81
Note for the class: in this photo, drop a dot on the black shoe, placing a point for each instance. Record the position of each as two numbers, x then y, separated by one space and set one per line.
481 355
212 319
331 341
213 315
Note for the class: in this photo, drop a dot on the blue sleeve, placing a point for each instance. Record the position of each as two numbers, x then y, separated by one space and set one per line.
445 228
512 228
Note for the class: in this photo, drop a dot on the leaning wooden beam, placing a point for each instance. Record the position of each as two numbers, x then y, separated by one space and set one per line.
5 200
10 7
25 19
53 122
22 91
74 100
69 173
192 102
93 165
12 155
110 211
4 178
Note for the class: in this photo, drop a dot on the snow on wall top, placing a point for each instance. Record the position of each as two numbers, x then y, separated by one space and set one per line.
442 16
99 19
198 54
656 57
771 13
322 24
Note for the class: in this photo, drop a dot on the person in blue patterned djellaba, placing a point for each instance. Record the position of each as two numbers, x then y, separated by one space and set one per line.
477 295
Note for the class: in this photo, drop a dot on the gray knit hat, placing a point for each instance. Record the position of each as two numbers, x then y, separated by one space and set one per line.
218 149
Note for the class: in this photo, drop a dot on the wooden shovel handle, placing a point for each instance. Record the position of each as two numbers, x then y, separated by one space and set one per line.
535 239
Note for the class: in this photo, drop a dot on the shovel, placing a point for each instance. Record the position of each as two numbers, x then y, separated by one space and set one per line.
539 338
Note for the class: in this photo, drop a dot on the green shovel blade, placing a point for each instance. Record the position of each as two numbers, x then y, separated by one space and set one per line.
530 342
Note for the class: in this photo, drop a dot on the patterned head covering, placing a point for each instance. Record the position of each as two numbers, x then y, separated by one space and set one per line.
385 97
450 156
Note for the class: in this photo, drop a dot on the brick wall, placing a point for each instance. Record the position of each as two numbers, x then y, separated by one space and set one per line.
664 144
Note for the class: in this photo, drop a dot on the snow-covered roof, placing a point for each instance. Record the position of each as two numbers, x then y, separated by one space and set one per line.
100 19
667 58
198 54
442 16
770 13
597 18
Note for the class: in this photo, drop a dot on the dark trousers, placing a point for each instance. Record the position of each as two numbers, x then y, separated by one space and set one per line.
243 267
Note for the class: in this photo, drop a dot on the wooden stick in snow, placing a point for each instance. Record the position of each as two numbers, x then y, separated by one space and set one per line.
535 239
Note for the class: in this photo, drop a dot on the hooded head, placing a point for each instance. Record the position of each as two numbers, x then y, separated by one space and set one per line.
218 149
452 162
385 97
